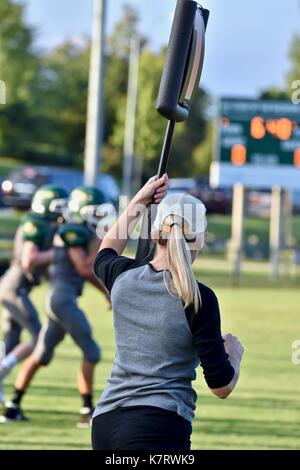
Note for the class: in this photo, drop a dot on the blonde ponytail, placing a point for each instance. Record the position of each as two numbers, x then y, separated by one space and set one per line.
179 258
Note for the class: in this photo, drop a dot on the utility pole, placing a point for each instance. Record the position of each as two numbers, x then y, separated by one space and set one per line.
95 112
276 231
238 225
130 121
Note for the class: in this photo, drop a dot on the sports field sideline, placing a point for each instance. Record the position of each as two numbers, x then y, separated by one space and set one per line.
264 413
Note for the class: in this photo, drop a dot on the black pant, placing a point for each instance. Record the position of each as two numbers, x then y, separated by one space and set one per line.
141 428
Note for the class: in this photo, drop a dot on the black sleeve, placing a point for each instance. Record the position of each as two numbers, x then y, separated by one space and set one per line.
208 340
109 265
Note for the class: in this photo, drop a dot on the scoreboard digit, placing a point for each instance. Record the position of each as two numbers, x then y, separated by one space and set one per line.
258 144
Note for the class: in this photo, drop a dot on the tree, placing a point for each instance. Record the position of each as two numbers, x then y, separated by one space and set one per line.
19 67
45 117
188 147
294 55
274 94
295 61
124 30
202 155
150 126
116 86
62 102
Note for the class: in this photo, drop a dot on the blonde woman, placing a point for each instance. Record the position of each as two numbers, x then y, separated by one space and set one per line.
166 324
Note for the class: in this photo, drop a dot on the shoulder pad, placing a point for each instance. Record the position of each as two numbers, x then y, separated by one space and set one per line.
34 229
74 235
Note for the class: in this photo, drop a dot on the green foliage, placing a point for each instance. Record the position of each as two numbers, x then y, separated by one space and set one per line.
188 137
44 120
19 67
150 126
203 153
63 100
9 223
295 61
125 29
274 94
19 63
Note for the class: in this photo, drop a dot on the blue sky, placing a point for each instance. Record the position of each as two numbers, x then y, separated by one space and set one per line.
247 41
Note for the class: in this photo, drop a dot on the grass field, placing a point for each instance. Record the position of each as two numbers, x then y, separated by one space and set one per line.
219 227
263 413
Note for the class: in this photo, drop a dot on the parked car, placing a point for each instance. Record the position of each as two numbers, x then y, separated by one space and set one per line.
259 203
217 201
180 185
19 187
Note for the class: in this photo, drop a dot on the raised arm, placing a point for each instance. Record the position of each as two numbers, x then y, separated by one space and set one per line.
118 235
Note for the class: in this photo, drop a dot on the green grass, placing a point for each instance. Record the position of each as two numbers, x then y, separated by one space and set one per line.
220 227
264 411
9 221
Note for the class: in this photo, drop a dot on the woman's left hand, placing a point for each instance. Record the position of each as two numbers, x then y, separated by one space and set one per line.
155 190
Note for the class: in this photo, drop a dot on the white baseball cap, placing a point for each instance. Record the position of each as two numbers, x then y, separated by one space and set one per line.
187 207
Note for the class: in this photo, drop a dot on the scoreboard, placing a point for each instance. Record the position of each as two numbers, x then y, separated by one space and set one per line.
258 144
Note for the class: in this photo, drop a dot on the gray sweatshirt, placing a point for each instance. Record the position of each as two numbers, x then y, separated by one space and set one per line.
159 344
